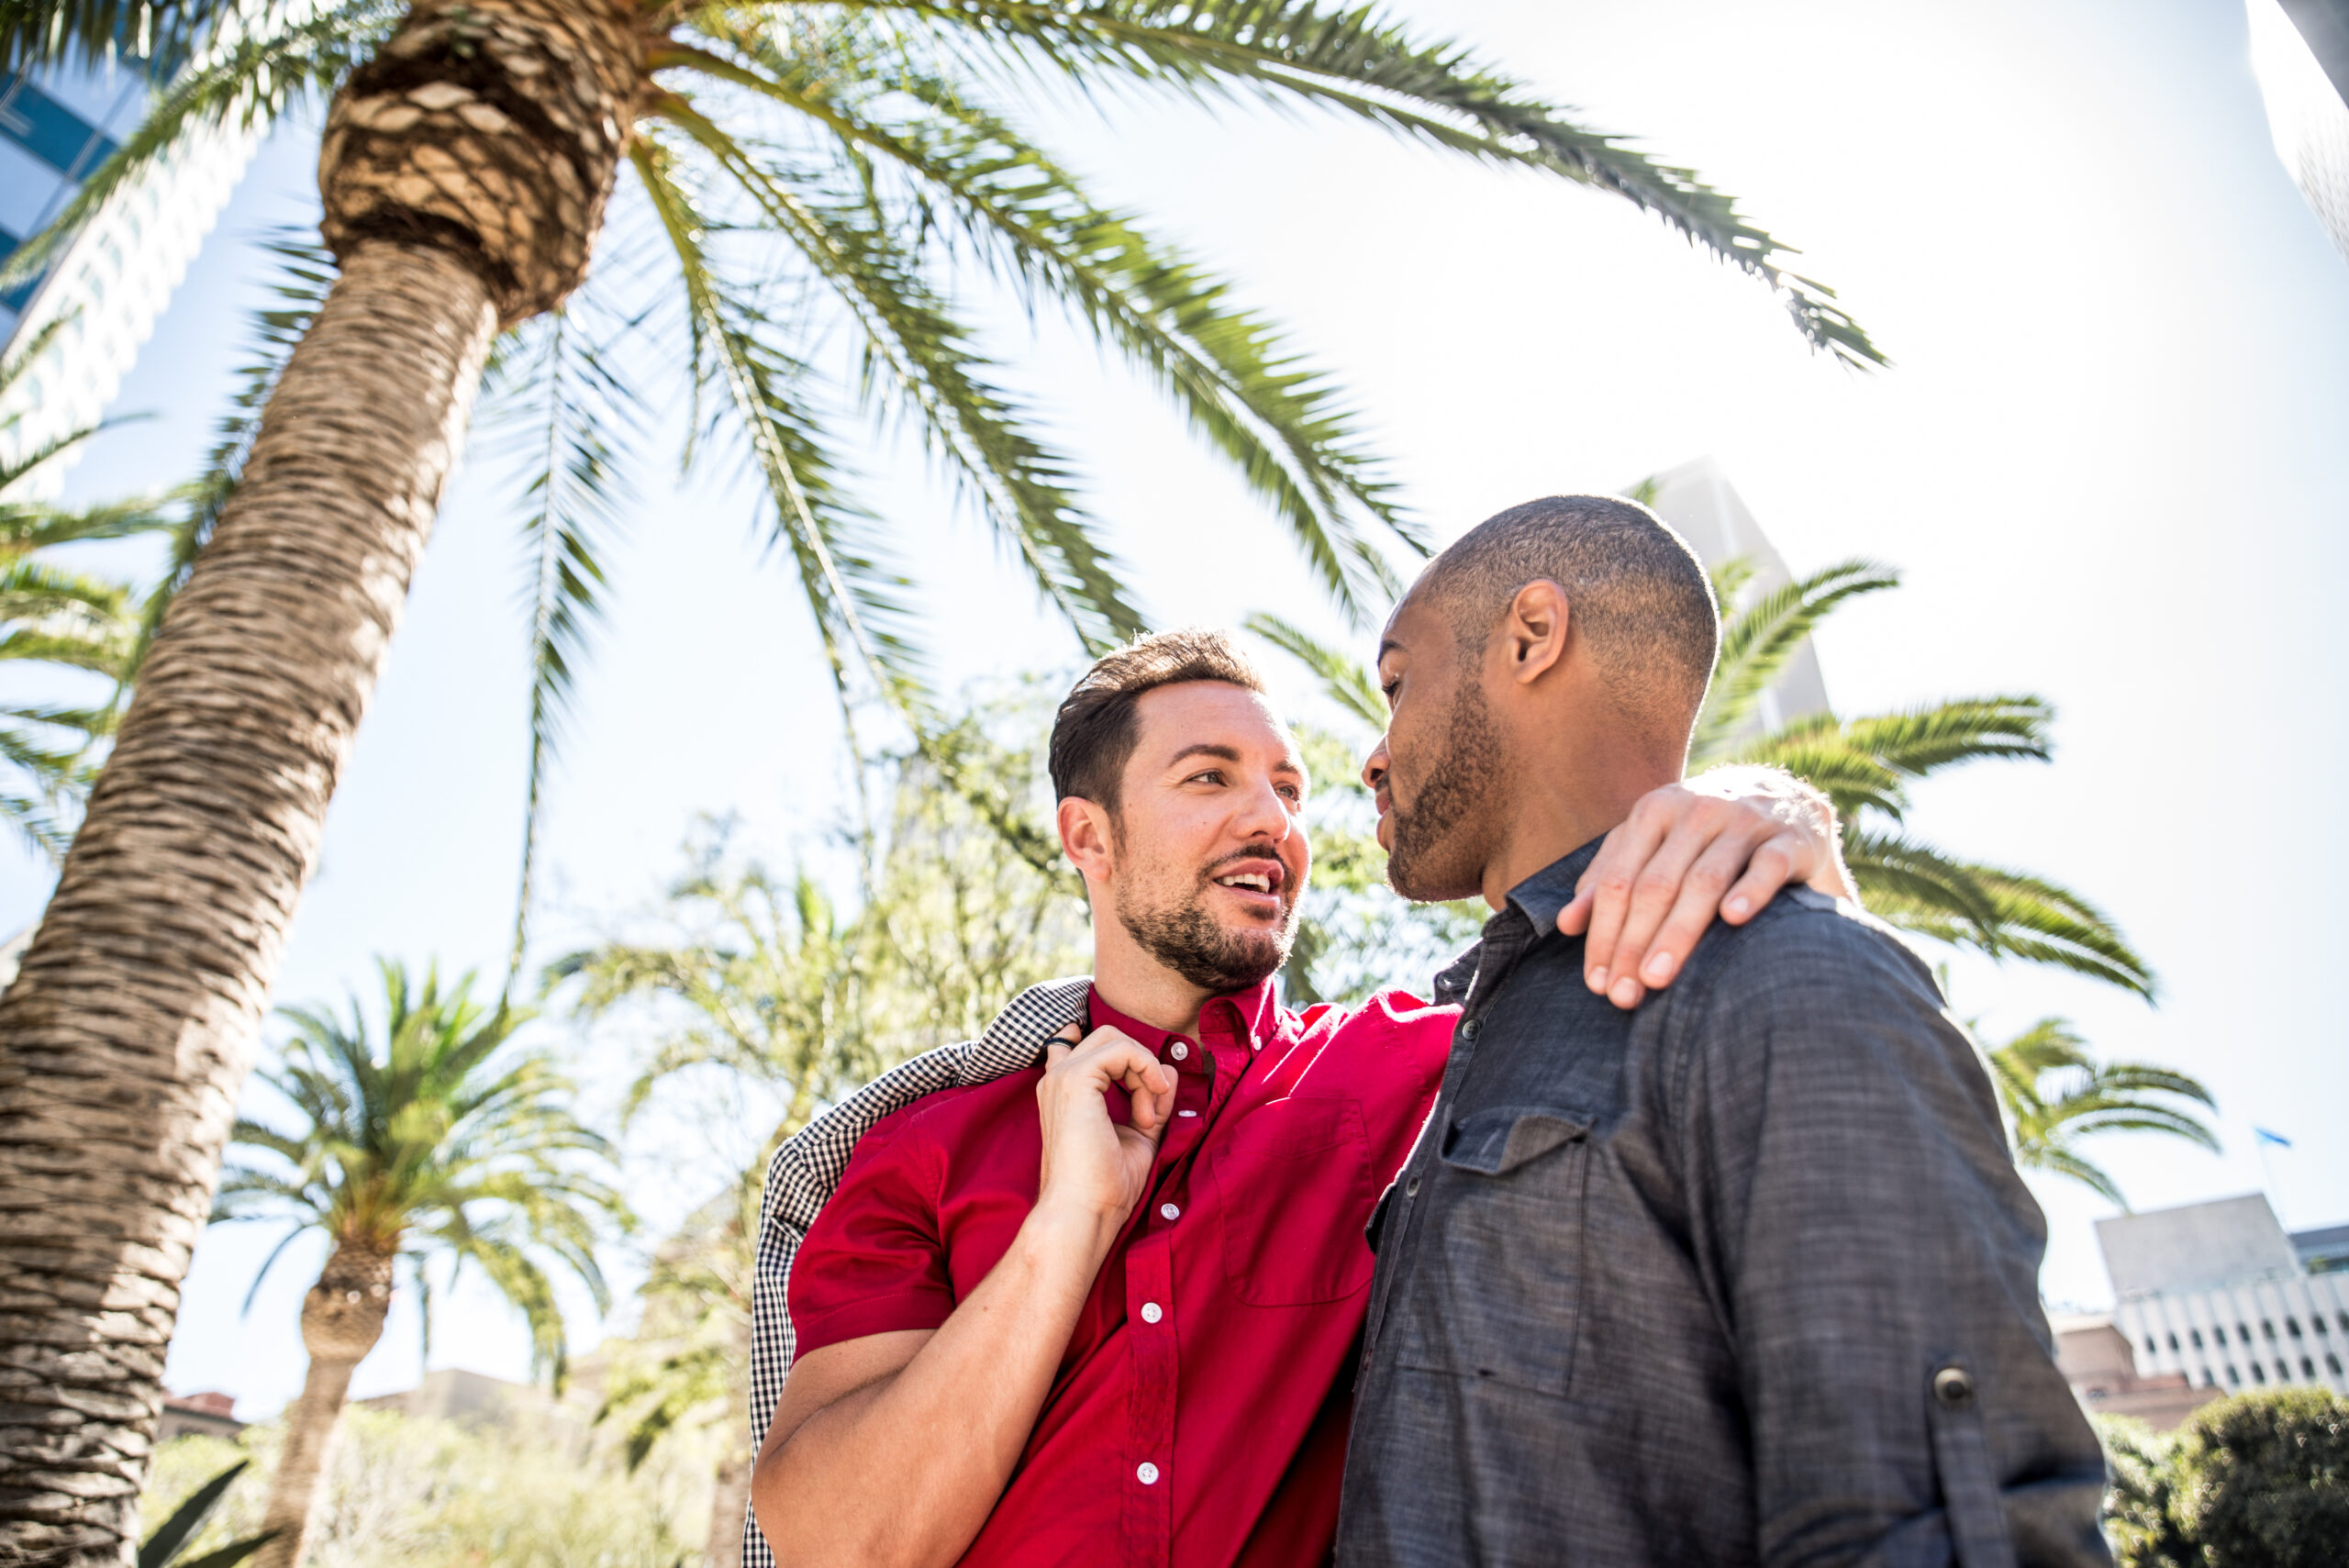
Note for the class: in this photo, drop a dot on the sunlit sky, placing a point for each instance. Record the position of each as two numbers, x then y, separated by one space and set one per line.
2109 462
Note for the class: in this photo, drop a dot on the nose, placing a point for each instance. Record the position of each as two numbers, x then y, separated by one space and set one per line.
1375 766
1265 816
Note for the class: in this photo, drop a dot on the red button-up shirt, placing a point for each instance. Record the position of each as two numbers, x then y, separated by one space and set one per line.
1198 1418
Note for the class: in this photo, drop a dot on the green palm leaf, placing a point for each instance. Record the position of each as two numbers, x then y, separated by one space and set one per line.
1758 642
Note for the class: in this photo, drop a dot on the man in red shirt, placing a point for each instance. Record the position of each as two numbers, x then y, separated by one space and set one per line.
1104 1308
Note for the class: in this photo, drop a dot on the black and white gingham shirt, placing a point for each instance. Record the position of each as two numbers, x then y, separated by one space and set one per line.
807 1170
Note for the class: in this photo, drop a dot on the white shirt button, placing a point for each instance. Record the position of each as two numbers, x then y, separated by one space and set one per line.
1179 1051
1169 1211
1146 1473
1152 1312
1186 1113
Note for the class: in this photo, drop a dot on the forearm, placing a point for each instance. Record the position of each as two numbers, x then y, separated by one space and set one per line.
904 1470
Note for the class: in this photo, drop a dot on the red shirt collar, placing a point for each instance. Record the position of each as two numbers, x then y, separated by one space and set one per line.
1254 1015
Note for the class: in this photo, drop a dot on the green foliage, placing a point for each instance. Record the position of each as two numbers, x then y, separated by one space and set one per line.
169 1542
767 981
1865 766
2258 1480
55 620
2056 1095
531 1492
433 1136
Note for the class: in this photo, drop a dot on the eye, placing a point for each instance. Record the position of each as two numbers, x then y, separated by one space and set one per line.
1211 775
1387 689
1290 790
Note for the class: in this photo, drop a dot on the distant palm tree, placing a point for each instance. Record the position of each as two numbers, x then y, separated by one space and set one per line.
430 1137
822 189
52 616
2057 1095
1866 765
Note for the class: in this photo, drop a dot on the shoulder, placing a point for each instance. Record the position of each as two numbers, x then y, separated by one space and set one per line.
1389 1021
1800 941
945 1119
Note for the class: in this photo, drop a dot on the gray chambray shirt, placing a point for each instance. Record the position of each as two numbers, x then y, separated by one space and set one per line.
1743 1275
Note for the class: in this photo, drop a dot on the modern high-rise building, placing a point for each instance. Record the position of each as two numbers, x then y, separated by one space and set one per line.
1696 498
114 279
2299 49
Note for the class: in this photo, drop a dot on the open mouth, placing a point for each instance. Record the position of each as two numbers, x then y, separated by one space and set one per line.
1257 882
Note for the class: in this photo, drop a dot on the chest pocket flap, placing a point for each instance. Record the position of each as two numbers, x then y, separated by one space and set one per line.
1495 1141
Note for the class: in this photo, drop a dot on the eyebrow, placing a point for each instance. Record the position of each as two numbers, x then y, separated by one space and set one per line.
1388 645
1223 753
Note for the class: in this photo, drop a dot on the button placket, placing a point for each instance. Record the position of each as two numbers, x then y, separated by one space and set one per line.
1148 1516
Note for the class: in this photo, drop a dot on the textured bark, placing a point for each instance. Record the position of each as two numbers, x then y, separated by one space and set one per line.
342 1317
128 1033
494 127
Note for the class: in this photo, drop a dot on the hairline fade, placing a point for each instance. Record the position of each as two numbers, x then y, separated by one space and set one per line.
1639 597
1096 729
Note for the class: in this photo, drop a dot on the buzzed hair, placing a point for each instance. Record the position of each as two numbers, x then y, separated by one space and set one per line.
1637 594
1093 733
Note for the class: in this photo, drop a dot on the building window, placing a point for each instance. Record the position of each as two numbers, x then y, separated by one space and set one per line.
2196 1335
2172 1341
2149 1344
2344 1321
2258 1373
2316 1323
2308 1369
2210 1379
2283 1373
2242 1332
2267 1330
2332 1364
2234 1377
2292 1326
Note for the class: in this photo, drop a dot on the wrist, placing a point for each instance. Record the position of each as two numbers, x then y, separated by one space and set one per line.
1059 1224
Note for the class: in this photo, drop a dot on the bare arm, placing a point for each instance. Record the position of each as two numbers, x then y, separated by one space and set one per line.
891 1449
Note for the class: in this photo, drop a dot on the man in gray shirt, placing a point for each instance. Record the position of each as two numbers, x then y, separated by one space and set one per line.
1744 1275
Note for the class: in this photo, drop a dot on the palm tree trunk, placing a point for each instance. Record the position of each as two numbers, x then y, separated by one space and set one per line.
342 1317
465 172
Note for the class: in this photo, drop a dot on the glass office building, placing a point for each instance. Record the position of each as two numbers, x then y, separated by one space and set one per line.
112 281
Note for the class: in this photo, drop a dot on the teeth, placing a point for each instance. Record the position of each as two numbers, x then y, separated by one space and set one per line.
1256 879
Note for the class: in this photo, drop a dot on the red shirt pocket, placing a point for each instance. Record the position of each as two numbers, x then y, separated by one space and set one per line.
1293 1191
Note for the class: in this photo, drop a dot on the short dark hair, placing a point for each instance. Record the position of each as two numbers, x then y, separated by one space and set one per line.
1093 735
1640 598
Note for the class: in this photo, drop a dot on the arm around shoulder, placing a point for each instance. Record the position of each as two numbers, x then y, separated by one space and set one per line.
1854 1202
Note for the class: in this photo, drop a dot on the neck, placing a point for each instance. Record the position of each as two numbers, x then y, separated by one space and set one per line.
1568 793
1137 984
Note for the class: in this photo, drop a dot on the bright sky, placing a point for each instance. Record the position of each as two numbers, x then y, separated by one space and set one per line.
2101 462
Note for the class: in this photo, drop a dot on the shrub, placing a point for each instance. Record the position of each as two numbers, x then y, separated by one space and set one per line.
2260 1480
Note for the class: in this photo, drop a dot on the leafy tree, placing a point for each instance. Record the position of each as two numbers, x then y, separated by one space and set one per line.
2056 1095
768 983
56 619
430 1137
2258 1479
807 170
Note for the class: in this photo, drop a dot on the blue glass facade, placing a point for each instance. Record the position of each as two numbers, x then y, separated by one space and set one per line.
55 127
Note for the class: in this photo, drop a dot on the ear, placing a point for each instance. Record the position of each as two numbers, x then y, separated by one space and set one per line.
1086 838
1535 632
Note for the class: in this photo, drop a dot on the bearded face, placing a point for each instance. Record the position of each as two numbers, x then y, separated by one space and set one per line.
1439 821
1181 916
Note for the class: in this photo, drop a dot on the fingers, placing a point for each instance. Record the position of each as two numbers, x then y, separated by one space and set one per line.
1657 958
1653 891
1778 861
1604 895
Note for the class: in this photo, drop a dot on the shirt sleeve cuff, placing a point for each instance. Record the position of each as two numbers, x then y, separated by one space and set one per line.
883 1314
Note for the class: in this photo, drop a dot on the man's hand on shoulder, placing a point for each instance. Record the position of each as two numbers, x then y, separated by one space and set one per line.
1724 843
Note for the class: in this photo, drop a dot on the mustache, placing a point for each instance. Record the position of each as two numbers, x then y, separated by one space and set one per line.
1265 851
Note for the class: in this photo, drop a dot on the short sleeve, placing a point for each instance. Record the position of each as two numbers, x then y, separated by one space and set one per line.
873 1262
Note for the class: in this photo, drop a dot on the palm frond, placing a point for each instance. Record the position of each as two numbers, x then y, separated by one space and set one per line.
1353 60
918 362
1758 641
1343 679
577 492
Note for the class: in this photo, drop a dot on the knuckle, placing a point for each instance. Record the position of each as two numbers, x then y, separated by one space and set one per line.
1615 884
1655 883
